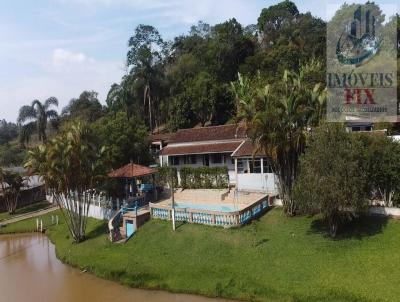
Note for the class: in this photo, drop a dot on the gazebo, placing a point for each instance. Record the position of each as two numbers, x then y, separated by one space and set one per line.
131 172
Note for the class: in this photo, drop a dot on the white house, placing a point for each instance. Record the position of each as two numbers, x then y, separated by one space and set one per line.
216 146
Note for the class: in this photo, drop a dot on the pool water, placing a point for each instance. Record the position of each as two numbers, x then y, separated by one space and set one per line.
207 207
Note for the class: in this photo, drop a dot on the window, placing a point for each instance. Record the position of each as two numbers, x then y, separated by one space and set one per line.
241 166
267 167
175 160
217 158
206 160
255 166
190 159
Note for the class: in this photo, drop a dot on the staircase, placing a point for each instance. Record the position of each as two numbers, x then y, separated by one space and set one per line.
114 227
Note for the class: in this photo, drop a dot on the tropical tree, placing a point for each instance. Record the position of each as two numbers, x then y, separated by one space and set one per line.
10 184
35 118
333 181
383 166
86 107
277 118
126 139
72 168
144 60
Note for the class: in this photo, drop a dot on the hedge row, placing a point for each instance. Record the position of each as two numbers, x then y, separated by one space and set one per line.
204 178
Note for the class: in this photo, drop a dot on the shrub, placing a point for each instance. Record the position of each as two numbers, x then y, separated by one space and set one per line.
204 177
332 181
167 174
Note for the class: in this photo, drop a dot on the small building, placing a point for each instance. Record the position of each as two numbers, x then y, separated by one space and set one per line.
139 193
217 146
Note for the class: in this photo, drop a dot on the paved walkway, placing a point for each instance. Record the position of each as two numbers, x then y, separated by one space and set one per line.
28 215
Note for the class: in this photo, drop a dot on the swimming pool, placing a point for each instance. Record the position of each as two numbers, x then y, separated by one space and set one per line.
207 207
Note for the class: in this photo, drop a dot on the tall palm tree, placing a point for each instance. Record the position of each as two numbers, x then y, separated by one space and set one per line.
35 117
278 119
71 167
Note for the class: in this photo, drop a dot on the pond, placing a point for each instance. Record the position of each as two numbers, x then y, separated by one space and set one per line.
30 271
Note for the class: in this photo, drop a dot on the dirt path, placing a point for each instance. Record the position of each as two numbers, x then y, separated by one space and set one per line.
28 215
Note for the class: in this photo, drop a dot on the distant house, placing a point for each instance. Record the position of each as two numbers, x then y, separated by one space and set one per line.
217 146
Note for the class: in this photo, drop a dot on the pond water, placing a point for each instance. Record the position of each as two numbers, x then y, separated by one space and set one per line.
30 271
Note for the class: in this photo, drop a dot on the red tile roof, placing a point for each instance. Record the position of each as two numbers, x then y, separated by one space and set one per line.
200 148
160 137
224 132
132 170
247 149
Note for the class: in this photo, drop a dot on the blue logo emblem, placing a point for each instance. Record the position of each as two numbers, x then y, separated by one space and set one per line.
357 43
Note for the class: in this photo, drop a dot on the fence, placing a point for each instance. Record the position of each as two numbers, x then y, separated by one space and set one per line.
104 207
27 197
215 218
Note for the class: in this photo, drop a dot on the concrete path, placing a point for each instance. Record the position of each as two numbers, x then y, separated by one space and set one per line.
28 215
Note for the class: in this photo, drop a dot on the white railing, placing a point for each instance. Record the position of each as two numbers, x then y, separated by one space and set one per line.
101 206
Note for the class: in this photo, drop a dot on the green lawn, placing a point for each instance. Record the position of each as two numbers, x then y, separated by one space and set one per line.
273 259
30 208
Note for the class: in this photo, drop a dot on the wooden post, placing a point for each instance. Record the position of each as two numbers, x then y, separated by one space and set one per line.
37 224
57 219
41 226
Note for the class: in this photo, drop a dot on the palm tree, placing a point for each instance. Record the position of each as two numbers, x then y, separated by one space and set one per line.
278 119
71 167
35 118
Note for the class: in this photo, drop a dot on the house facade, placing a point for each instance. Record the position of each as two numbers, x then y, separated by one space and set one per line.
217 146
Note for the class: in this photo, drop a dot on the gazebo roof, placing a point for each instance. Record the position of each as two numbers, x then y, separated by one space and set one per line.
132 170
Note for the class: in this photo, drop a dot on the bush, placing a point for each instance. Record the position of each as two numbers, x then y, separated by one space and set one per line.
204 177
333 180
167 174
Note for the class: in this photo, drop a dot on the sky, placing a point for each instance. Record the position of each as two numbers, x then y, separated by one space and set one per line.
63 47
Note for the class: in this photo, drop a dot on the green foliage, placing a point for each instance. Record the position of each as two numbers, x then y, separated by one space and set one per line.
333 181
86 108
12 155
382 163
125 139
8 131
144 60
274 17
204 177
186 82
10 184
35 118
168 176
278 117
71 166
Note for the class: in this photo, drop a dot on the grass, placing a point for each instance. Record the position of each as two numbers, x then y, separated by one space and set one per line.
272 259
30 208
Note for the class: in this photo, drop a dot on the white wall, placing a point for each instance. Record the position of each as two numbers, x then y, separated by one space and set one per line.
396 138
257 182
95 210
387 211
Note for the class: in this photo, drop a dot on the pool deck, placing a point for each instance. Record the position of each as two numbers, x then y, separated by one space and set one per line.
215 198
206 207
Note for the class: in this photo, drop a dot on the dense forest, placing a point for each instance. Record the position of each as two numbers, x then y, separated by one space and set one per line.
179 83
